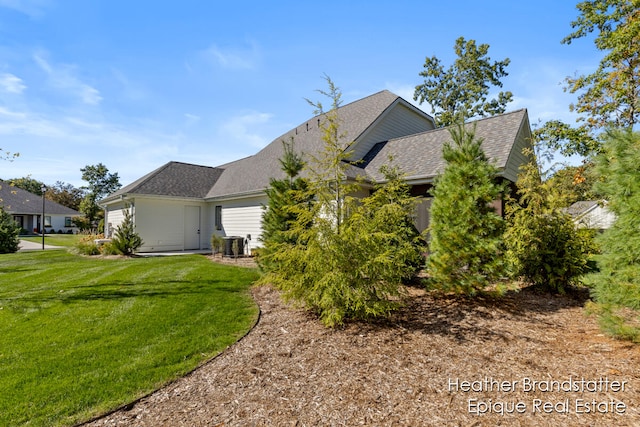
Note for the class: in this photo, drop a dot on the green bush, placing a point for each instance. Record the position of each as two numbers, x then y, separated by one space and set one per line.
544 247
9 232
125 239
217 244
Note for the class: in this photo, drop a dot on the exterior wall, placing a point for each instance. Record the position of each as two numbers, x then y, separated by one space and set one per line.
240 217
400 121
113 218
599 218
58 223
161 224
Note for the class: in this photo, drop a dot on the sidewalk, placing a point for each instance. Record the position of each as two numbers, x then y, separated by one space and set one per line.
26 245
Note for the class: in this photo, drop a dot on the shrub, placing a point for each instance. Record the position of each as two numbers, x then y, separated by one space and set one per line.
217 244
9 232
87 245
125 239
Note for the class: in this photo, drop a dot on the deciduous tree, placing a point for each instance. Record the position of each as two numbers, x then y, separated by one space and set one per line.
462 90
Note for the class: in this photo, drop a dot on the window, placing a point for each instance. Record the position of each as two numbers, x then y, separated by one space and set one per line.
47 221
67 221
218 217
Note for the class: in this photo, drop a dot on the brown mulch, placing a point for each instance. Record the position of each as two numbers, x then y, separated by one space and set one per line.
291 371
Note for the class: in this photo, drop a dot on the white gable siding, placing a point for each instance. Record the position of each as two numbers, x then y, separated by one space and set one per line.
114 217
598 218
399 121
240 218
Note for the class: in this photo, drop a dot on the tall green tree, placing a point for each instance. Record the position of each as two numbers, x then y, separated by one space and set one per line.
100 184
617 287
462 90
279 213
346 257
609 96
465 250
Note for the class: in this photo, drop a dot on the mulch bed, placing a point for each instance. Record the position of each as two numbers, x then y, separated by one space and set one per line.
291 371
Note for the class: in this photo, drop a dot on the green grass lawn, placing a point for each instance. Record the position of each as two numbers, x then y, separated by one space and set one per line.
79 336
66 240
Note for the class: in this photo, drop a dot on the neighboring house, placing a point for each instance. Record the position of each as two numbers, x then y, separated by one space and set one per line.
26 210
591 214
179 206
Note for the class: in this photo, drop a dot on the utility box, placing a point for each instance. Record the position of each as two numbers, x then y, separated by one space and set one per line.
228 245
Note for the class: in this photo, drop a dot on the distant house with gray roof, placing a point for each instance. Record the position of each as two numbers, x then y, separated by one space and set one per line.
26 209
179 206
592 214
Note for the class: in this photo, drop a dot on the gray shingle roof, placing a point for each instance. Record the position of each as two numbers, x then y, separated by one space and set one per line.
581 207
252 173
18 201
173 179
420 155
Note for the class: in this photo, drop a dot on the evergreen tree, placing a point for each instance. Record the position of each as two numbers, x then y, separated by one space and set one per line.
345 257
9 232
465 251
125 239
279 215
617 287
543 245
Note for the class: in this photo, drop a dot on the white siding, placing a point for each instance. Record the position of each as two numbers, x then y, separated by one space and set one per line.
240 218
160 223
400 121
114 218
599 218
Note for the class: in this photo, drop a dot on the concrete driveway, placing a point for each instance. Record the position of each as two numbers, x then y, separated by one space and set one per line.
26 245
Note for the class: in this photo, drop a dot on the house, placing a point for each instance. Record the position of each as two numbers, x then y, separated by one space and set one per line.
591 214
179 206
26 209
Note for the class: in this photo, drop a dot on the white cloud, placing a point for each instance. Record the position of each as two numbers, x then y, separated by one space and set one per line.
31 8
191 119
236 59
11 83
63 77
246 129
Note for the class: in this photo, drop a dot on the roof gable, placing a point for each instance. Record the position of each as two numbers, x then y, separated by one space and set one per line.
419 156
18 201
253 174
173 179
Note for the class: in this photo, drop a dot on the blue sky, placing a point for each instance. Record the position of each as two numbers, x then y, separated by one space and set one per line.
135 84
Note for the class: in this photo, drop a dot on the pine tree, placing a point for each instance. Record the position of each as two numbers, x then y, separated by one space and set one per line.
617 287
346 257
465 232
9 232
279 213
125 239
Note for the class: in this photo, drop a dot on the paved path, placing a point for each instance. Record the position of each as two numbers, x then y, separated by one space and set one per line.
26 245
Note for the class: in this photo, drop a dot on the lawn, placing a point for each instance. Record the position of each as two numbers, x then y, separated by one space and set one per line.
66 240
80 335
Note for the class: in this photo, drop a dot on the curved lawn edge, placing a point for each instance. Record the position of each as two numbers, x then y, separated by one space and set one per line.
129 405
